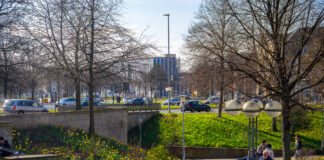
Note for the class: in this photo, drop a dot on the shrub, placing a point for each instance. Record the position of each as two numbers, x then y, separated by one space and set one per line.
159 152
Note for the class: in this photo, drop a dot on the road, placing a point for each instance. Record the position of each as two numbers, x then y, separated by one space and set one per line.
213 110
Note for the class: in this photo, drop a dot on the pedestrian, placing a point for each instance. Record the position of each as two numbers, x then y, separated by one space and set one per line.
265 156
269 151
248 157
261 148
118 99
4 143
298 147
113 97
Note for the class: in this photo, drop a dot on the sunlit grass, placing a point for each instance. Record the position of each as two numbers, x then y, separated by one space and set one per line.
207 130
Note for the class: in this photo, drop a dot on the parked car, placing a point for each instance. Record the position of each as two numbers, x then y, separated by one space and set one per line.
127 100
96 98
148 101
21 106
66 102
212 100
86 103
195 106
138 101
173 101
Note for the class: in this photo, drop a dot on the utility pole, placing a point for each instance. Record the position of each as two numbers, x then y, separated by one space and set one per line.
169 68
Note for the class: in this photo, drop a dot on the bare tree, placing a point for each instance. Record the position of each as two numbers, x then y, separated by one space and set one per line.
11 13
270 45
214 30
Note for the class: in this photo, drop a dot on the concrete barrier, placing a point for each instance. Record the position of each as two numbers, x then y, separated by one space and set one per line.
146 108
133 118
108 122
5 130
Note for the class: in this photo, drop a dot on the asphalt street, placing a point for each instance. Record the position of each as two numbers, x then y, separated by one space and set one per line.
213 110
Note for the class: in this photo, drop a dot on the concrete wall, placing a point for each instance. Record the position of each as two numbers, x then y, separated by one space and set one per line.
150 107
133 118
213 153
108 122
5 131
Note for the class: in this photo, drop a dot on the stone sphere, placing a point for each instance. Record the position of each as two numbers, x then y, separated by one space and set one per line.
273 109
233 107
251 108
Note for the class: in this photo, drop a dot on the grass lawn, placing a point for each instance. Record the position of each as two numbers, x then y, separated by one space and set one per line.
207 130
178 107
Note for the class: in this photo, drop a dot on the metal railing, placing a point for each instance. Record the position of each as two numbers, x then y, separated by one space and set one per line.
144 108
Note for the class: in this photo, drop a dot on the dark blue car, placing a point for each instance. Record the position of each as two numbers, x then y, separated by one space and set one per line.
138 101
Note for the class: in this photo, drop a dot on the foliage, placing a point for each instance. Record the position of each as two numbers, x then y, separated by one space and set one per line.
71 144
159 152
299 120
207 130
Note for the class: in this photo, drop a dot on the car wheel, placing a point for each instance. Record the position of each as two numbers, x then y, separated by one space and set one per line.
192 110
208 110
44 111
64 104
20 112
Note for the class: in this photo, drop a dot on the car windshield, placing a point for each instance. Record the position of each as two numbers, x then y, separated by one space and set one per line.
63 100
8 102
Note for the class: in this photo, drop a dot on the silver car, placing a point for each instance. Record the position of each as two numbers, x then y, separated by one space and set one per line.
21 106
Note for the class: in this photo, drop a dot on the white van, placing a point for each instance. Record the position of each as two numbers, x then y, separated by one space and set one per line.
212 100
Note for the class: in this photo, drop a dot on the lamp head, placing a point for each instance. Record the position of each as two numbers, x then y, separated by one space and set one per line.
166 14
233 107
273 109
251 108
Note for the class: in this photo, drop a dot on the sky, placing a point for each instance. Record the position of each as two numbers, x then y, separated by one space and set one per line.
147 16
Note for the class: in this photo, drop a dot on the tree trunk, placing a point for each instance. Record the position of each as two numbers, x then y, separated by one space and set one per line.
77 94
286 126
6 77
33 93
274 124
91 83
220 106
5 86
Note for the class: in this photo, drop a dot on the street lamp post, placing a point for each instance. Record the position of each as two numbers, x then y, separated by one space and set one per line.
169 68
322 142
252 109
183 99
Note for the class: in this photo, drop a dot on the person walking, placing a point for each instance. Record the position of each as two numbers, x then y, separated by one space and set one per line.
269 151
113 97
4 143
298 147
261 148
118 99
